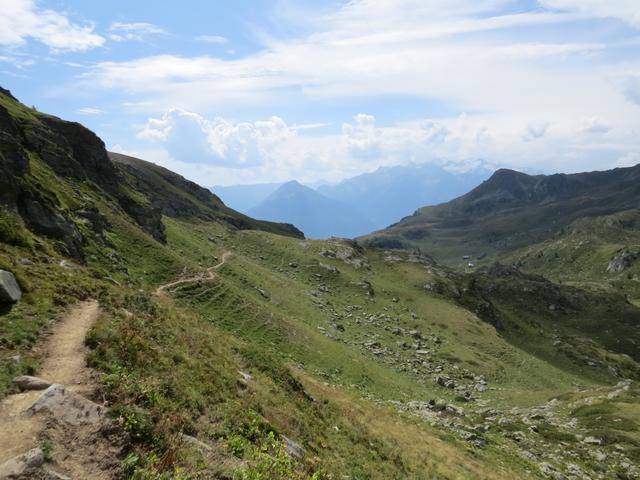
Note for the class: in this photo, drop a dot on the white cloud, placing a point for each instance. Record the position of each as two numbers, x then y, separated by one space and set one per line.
220 151
188 137
626 10
136 31
467 55
212 39
90 111
22 20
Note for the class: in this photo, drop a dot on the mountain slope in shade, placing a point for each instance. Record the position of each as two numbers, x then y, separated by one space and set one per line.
175 196
391 193
512 210
313 213
244 197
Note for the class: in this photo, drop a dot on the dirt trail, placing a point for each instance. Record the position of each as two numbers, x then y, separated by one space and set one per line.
64 363
208 274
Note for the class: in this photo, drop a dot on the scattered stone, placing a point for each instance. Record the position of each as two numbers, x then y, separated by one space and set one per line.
26 382
263 293
9 289
68 265
18 466
592 441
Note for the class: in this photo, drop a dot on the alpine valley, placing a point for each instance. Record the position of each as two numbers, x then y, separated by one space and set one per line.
149 331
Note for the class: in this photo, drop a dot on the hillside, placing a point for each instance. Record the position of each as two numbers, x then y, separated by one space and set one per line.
601 252
512 210
391 193
219 351
316 215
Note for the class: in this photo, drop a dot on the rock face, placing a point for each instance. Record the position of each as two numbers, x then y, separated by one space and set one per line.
13 159
9 289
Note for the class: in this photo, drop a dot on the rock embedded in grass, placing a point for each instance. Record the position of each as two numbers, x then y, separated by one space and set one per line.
10 291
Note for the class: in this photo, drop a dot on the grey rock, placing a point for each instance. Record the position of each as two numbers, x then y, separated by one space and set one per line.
18 466
68 407
293 449
621 261
592 441
9 289
26 382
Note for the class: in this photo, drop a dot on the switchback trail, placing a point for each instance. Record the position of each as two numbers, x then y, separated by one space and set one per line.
64 363
208 274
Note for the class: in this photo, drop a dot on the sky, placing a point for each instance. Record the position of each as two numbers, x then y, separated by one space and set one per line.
255 91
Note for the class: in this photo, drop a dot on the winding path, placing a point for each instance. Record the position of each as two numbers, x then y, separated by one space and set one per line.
208 274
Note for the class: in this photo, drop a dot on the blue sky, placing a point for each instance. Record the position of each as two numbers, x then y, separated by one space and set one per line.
257 91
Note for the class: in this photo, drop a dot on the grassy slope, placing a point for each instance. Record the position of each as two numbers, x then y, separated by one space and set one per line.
581 253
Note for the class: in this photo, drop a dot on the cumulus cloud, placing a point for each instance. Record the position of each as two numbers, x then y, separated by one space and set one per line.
189 137
22 20
136 31
463 55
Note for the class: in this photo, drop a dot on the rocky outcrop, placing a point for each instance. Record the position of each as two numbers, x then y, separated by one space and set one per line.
621 261
14 162
9 289
44 216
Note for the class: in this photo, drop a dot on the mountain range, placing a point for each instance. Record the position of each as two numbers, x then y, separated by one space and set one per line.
316 215
373 200
512 210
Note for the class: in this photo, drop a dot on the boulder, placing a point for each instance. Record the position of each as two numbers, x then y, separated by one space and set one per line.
68 407
18 466
9 289
26 382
